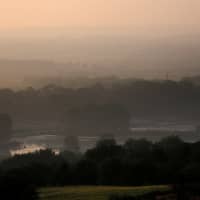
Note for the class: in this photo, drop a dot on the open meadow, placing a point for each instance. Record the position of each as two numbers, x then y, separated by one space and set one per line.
95 192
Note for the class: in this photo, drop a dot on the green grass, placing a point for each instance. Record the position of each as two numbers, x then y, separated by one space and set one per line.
94 192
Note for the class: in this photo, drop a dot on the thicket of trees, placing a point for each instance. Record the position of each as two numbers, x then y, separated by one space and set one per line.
141 98
137 162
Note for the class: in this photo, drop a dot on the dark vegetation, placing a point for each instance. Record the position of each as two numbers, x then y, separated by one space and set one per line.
137 162
5 127
149 99
101 110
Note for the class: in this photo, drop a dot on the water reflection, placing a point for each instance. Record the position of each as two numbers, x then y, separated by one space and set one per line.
24 149
29 144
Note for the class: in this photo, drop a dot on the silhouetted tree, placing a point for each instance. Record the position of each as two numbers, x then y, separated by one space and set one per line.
85 172
104 149
16 185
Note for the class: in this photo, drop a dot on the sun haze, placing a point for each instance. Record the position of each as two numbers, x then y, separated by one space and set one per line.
131 14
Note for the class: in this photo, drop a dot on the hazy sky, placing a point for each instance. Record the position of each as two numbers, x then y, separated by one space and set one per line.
134 37
129 14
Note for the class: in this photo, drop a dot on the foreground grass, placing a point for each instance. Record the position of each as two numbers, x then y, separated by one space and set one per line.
94 192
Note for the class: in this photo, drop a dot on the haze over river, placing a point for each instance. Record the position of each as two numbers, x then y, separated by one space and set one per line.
151 131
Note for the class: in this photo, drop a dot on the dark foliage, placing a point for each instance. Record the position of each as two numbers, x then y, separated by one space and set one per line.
137 162
5 128
142 98
17 184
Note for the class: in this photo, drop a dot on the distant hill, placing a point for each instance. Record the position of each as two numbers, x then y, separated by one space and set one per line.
193 79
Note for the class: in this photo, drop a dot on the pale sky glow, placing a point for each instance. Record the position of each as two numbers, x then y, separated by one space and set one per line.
99 13
139 38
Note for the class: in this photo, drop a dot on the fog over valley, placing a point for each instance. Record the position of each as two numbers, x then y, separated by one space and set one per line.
96 54
100 100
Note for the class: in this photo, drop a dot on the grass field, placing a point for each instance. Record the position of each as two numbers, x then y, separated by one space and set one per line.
94 192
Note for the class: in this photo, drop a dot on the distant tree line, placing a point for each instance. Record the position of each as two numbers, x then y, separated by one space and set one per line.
142 98
137 162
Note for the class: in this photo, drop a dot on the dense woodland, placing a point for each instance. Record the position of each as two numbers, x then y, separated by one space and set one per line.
101 109
142 99
137 162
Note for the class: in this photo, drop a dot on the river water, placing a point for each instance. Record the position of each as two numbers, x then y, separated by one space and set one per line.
37 141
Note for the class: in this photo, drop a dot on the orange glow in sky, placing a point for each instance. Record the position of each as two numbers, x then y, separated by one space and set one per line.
131 14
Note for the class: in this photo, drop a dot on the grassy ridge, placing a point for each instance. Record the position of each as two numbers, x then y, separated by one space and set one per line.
94 192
